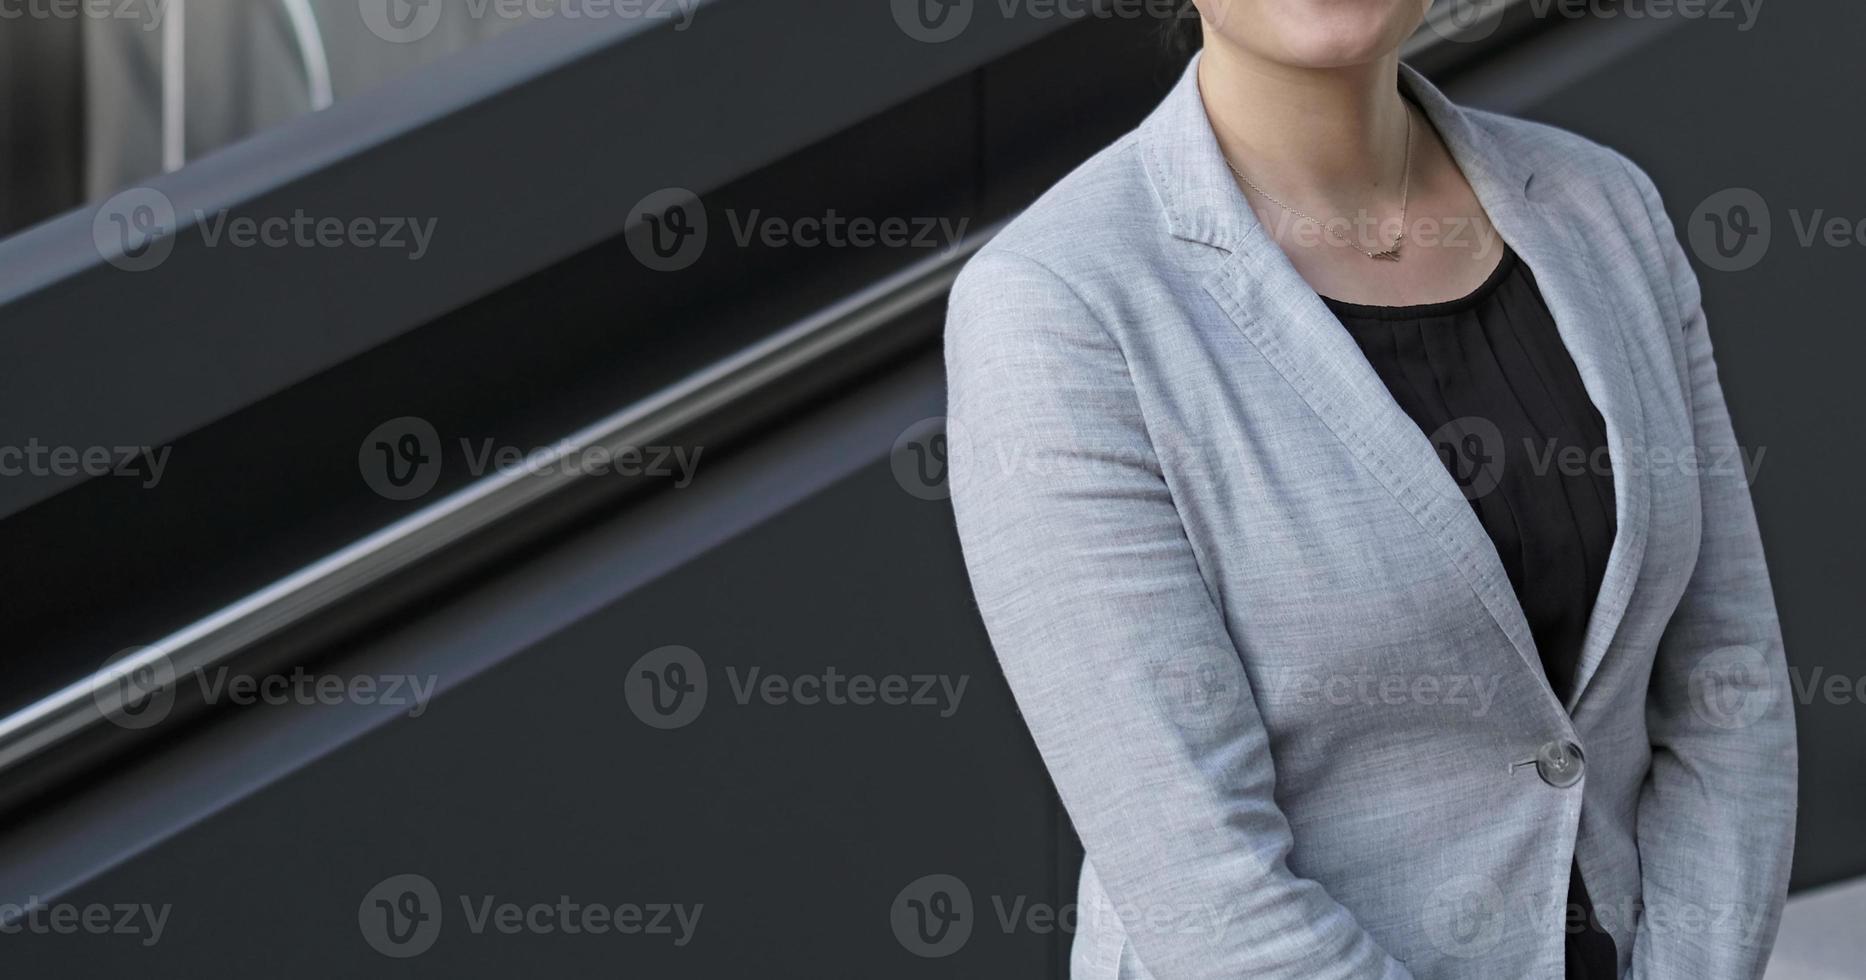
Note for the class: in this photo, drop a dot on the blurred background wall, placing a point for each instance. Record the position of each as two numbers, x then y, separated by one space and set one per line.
81 98
813 543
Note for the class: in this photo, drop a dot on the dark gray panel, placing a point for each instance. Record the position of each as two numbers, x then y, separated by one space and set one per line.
795 825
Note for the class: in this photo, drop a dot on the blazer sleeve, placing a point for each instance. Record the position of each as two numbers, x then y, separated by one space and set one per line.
1115 649
1716 821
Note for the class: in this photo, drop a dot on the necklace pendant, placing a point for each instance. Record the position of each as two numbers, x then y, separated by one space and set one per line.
1390 255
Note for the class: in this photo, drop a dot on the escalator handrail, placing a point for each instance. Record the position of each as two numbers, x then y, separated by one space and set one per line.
222 638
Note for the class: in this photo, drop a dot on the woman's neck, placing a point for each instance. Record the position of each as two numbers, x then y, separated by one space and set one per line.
1326 137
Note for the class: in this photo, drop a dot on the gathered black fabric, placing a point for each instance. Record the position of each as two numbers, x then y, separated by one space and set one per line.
1489 380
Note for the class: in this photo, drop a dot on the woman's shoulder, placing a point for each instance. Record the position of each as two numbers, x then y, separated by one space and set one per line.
1565 163
1603 188
1050 284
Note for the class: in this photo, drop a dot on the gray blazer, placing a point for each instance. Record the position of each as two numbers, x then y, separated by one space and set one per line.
1266 649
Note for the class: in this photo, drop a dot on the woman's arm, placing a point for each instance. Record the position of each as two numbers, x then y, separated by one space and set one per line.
1115 650
1717 813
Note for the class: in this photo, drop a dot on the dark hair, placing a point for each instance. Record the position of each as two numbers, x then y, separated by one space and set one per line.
1181 34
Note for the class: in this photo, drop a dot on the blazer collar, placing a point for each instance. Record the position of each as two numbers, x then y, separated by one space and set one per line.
1281 315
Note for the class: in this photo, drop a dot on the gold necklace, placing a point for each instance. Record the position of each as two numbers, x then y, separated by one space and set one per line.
1392 252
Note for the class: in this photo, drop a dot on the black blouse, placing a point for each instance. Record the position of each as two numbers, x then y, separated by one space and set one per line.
1488 378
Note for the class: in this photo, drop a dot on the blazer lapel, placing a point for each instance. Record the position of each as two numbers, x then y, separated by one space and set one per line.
1550 240
1592 331
1284 319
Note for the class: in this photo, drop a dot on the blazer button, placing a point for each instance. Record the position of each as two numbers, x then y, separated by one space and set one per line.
1559 763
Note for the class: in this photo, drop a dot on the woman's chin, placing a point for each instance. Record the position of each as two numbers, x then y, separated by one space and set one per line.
1338 46
1317 33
